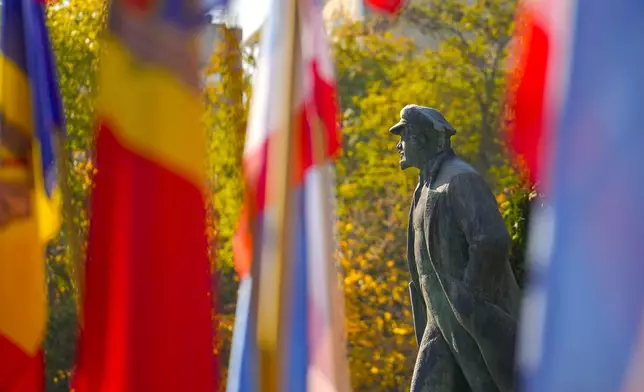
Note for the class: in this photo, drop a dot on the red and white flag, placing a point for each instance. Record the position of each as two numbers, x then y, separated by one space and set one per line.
313 358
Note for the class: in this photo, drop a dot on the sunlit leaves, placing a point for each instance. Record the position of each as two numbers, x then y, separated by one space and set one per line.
74 27
379 74
227 102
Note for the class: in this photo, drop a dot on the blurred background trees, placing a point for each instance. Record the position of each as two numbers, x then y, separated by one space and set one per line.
74 28
459 69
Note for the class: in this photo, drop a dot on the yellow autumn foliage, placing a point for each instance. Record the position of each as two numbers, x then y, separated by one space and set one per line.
378 73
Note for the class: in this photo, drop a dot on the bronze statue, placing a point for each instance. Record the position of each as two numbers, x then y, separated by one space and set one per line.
464 295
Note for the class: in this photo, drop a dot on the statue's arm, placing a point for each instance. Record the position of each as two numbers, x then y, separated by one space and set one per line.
418 311
417 302
477 214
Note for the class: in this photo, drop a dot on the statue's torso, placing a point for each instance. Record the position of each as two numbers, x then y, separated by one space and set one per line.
440 256
434 228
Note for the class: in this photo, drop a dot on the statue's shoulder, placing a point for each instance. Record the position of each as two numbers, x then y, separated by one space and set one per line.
450 169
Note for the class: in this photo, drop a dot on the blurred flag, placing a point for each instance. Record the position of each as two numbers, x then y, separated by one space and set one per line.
387 6
30 116
147 310
537 80
292 292
583 322
216 4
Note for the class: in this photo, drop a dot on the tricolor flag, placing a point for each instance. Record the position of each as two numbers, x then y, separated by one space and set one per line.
31 125
147 317
291 287
583 323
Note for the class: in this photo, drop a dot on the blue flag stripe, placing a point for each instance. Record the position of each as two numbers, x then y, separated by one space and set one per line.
25 41
595 295
297 365
12 42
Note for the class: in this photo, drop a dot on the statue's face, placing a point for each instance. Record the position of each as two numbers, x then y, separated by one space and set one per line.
412 148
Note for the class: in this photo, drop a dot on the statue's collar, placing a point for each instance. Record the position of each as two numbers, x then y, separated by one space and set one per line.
430 170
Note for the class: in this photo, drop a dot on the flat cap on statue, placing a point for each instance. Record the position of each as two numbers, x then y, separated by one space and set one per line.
424 117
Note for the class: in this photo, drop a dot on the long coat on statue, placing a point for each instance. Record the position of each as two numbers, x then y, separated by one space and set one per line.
464 294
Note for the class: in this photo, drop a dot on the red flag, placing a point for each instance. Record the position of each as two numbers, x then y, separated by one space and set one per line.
388 6
147 321
528 81
537 81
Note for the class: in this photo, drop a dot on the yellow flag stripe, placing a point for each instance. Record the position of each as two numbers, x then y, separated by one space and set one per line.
23 304
15 96
152 112
23 295
47 207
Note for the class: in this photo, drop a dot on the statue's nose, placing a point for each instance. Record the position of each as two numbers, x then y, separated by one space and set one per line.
399 146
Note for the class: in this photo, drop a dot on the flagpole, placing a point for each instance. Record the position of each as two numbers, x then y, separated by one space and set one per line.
272 294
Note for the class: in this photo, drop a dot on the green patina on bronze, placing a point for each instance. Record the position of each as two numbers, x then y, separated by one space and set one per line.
464 295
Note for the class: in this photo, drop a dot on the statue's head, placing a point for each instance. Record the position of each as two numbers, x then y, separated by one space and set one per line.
424 132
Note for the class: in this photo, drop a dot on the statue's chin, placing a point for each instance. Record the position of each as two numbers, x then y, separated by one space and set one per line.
404 165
